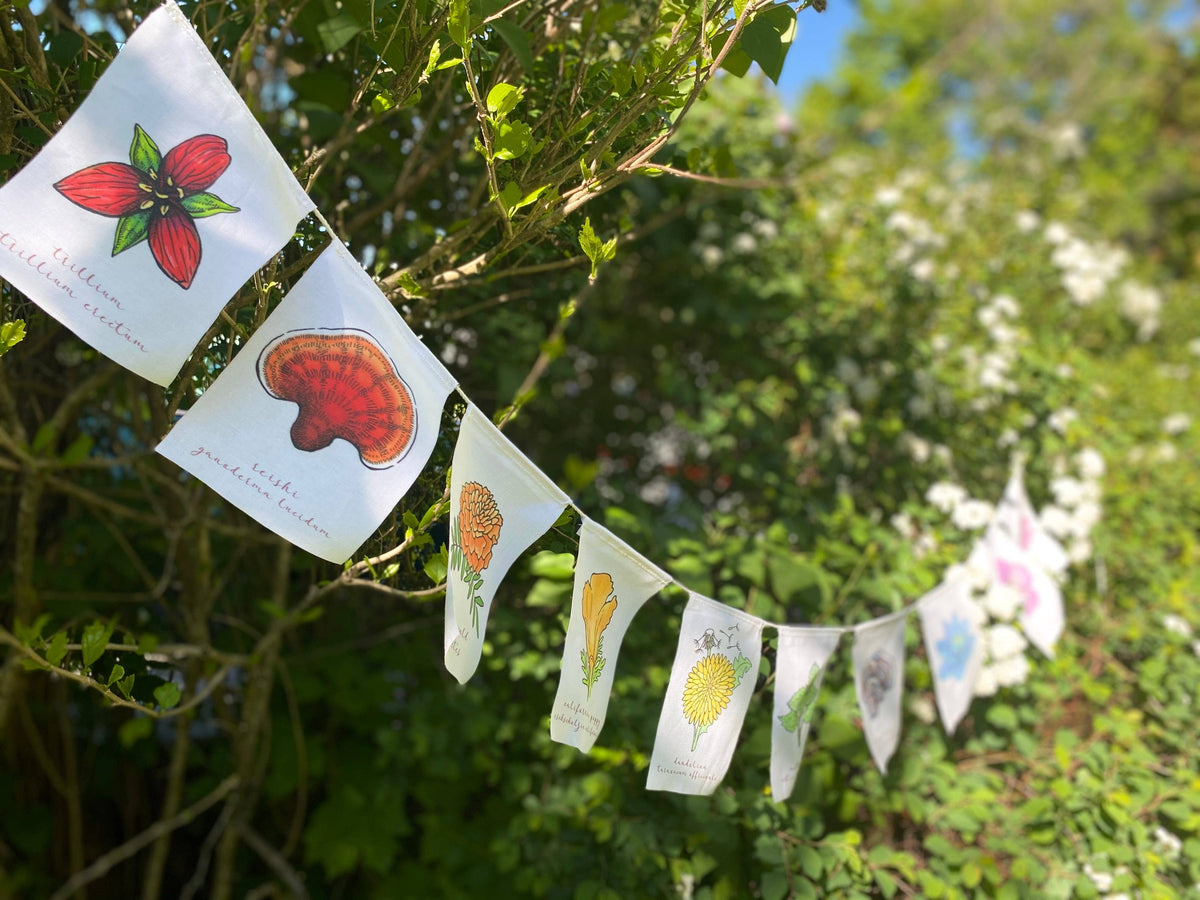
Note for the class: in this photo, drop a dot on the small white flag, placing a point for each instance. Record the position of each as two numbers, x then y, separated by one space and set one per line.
148 210
1041 614
325 418
712 681
500 503
954 647
879 680
799 669
1016 518
612 582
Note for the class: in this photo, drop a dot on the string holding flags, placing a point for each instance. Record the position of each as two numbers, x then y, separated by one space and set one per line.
151 206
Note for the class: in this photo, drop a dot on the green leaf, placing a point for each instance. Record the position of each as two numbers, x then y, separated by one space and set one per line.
512 140
134 730
117 673
337 32
131 231
31 633
147 643
435 54
125 686
459 24
56 650
204 204
94 640
143 152
595 250
436 566
11 334
556 566
513 199
517 40
503 99
764 44
78 449
167 695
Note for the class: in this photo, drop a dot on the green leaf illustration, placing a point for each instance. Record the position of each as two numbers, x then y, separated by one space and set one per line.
131 231
143 152
741 666
204 204
802 703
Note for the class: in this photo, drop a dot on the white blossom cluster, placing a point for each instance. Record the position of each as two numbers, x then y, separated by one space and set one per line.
1087 269
992 370
1141 306
1076 508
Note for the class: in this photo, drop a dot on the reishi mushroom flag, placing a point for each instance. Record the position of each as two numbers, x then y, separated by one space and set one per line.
146 212
325 417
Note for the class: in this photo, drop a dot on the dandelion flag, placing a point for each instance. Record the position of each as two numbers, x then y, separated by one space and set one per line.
139 220
500 503
954 646
879 680
1016 518
325 417
712 680
612 582
1041 612
800 667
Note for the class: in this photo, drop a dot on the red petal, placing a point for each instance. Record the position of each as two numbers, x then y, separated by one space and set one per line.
175 245
110 189
196 163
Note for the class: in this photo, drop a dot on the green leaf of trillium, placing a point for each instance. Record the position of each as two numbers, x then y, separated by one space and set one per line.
131 231
204 204
144 153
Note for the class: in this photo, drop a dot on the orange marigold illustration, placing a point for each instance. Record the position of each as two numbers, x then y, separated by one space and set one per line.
479 522
599 604
473 537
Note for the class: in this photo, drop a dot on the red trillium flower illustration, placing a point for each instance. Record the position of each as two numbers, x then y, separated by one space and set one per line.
346 387
156 198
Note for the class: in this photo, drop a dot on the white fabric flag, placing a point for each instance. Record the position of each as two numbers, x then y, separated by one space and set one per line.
138 221
500 503
879 680
712 681
325 418
954 647
799 670
1041 614
1016 517
612 582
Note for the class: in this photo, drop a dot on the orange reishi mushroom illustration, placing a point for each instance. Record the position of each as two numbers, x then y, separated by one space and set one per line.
346 387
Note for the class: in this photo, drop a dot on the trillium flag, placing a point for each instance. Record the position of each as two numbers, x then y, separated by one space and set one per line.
800 667
612 582
325 418
500 503
712 681
147 211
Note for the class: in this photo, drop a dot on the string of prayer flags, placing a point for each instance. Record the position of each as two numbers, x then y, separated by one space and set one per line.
1041 611
1016 518
799 669
953 646
147 211
324 420
500 503
879 681
612 582
712 681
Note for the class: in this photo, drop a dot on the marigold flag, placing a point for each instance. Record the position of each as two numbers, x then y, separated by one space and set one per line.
879 680
800 666
138 221
954 647
712 680
500 503
612 582
325 418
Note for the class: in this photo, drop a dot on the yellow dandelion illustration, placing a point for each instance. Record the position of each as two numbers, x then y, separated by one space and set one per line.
707 691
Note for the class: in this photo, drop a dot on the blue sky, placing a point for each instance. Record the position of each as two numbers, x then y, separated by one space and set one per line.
817 47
